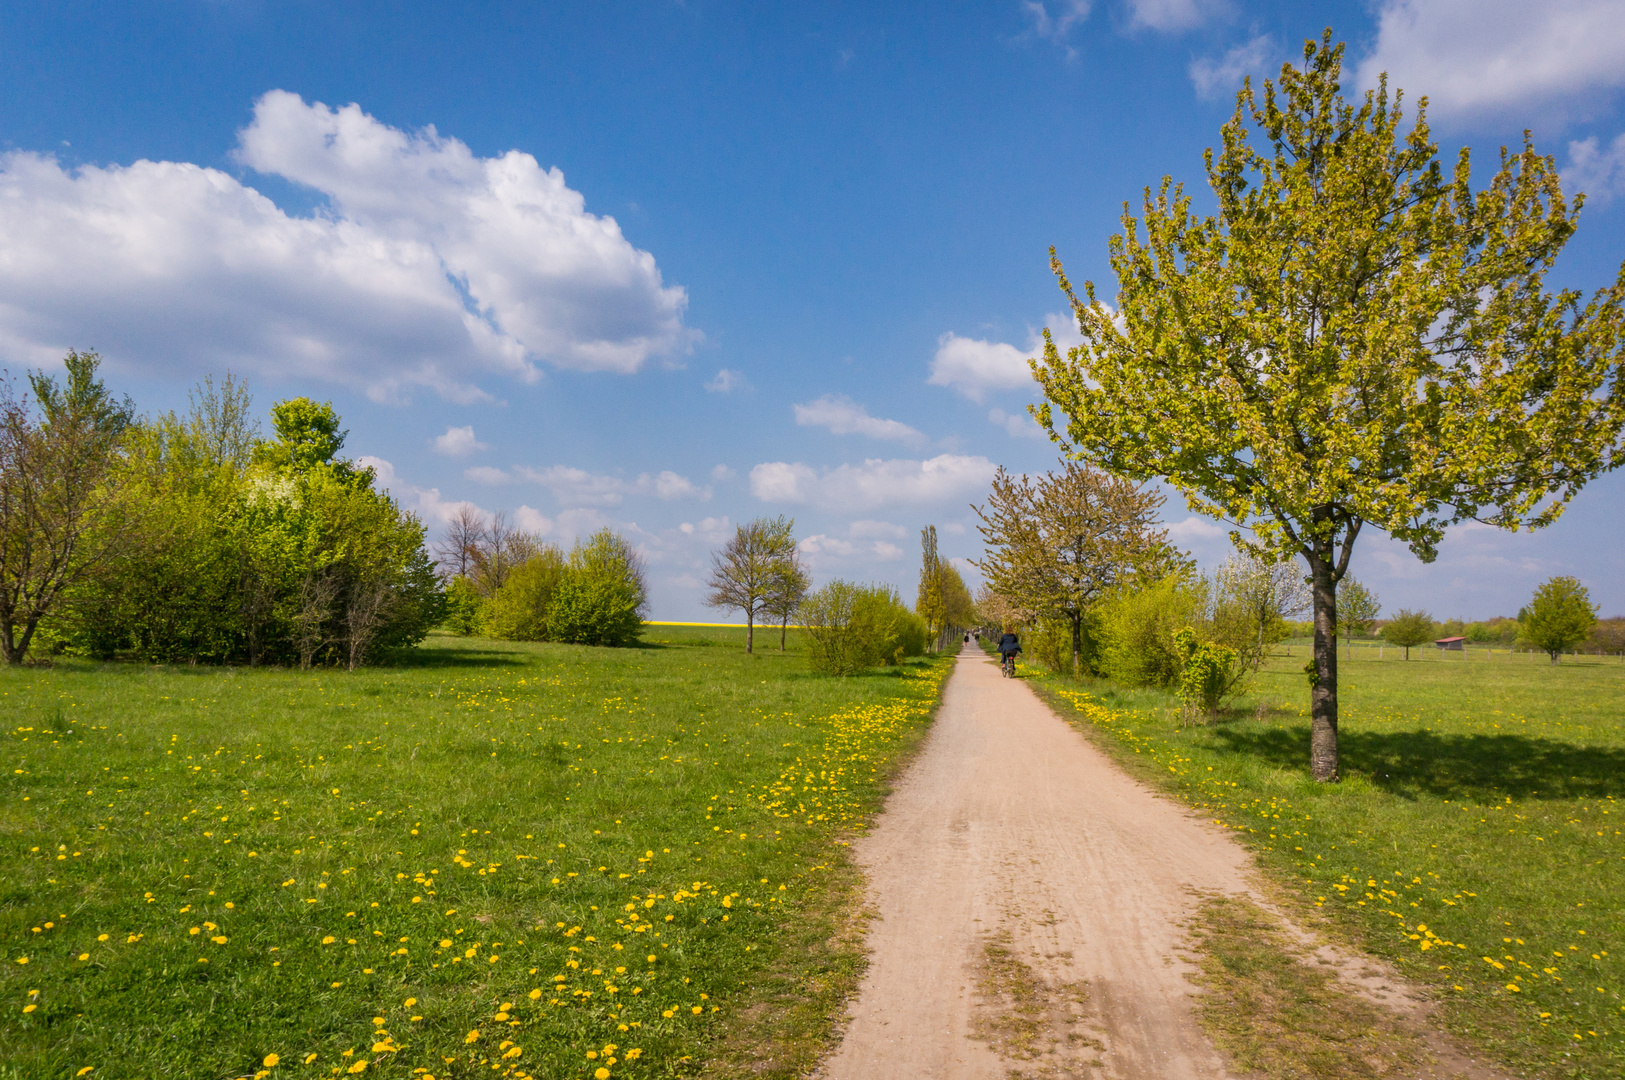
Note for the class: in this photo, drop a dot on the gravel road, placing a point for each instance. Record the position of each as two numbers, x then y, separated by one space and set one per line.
1028 899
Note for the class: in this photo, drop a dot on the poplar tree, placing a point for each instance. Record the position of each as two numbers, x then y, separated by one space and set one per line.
1353 337
929 603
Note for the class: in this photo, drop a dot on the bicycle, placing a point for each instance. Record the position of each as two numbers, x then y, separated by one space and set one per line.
1008 665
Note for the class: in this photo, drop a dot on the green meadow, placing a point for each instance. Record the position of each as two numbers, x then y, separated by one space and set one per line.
1475 840
489 859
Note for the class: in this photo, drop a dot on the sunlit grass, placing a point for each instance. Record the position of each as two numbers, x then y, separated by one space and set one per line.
495 859
1475 839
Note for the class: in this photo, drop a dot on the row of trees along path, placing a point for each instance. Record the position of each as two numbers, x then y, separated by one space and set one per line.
1354 338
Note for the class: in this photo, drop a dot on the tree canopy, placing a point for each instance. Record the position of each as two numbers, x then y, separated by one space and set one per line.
1561 615
1354 337
1057 543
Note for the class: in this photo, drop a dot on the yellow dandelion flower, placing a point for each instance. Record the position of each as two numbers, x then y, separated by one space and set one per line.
272 1061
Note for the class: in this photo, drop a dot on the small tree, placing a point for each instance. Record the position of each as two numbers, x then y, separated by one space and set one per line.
63 512
466 537
1357 608
929 604
1265 595
746 571
1409 629
789 587
1057 544
1561 615
1354 336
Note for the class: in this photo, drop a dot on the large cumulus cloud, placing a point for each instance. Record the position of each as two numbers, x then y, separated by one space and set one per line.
424 265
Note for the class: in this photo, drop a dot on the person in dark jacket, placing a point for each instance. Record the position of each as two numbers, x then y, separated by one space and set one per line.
1009 645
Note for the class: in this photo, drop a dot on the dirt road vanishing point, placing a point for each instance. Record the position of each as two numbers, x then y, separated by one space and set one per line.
1030 901
1013 856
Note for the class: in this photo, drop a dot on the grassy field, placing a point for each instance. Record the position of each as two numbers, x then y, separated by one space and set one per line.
492 860
1475 840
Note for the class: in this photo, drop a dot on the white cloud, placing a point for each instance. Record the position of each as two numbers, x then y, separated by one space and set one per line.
1597 171
724 381
713 530
669 485
459 442
975 367
1221 78
427 266
1068 13
843 416
577 487
425 502
1174 14
1017 425
875 483
486 474
722 474
822 550
1196 530
885 530
1493 58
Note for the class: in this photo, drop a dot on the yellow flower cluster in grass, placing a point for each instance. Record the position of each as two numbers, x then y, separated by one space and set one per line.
596 978
1276 825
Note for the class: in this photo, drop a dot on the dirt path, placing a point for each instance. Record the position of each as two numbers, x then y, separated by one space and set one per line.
1029 897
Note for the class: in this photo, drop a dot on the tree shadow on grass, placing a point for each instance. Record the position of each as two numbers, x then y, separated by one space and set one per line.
448 656
1411 764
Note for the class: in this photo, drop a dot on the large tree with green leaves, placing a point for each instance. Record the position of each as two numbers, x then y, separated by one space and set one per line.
1354 337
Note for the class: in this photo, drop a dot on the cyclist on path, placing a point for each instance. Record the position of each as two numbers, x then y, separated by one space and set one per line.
1009 645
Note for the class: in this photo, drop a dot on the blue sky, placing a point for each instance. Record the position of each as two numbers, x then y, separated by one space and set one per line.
671 266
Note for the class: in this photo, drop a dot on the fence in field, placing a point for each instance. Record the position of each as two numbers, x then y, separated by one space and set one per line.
1471 652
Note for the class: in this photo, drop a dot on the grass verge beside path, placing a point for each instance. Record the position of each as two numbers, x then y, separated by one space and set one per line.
494 860
1475 840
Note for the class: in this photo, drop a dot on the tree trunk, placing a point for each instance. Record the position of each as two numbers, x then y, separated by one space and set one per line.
1555 656
784 631
750 630
1323 695
1077 645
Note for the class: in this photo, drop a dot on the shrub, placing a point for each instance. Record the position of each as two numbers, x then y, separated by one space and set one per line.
601 597
1136 631
1209 674
463 616
518 609
851 627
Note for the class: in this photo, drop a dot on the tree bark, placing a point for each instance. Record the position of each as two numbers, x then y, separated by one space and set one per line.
750 630
1077 644
784 632
1323 695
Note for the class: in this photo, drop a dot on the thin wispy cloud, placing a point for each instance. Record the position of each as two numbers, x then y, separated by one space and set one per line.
841 415
875 483
725 381
1221 78
579 487
1597 169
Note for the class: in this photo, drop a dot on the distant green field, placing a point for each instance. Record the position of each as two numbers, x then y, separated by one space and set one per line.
494 860
1476 839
